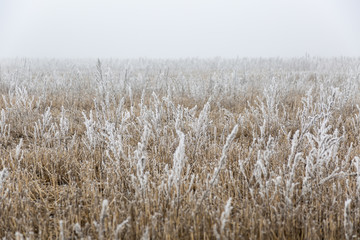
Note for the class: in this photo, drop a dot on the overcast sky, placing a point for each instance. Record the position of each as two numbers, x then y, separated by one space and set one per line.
179 28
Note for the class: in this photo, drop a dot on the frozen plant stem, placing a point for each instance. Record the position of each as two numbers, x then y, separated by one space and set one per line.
179 162
222 162
103 215
348 226
225 216
120 227
62 235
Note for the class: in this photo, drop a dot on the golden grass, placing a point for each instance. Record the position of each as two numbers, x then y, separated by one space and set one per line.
59 179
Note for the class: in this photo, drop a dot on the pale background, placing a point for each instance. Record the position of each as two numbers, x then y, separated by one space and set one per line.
179 28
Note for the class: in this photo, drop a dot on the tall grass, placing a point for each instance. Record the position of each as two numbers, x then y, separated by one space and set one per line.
180 149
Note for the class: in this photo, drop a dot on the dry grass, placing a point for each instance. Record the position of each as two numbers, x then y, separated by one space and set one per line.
149 164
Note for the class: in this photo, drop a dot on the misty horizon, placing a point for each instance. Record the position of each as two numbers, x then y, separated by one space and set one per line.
180 29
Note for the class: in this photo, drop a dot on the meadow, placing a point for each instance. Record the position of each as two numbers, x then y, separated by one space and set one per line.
180 149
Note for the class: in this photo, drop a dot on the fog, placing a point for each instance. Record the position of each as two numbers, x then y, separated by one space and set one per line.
178 28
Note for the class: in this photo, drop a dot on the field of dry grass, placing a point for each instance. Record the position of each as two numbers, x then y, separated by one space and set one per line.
183 149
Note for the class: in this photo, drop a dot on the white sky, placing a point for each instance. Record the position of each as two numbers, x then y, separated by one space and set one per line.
179 28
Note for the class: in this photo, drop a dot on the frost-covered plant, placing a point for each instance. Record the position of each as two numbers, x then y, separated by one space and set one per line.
146 235
92 138
77 230
322 160
261 171
175 175
114 141
200 126
100 226
18 99
19 236
179 160
102 85
18 151
348 226
4 174
4 127
62 233
357 167
103 215
120 227
270 107
289 168
225 149
225 215
63 123
140 181
355 123
45 129
221 163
